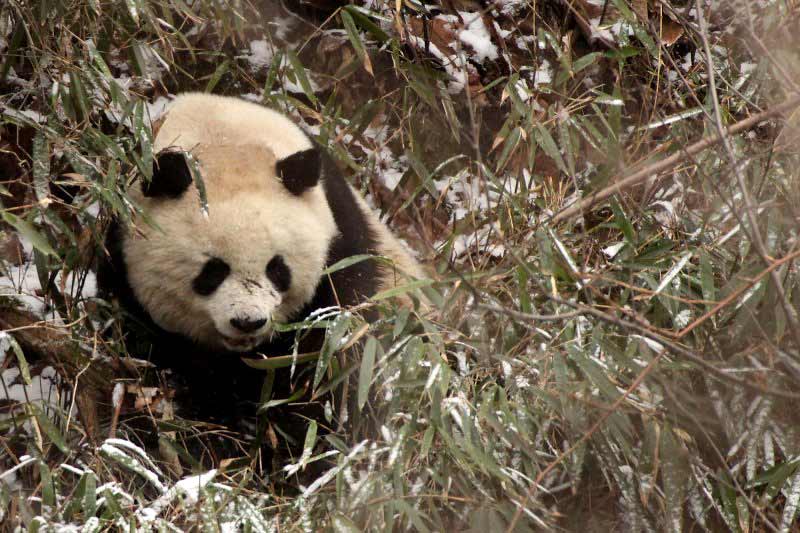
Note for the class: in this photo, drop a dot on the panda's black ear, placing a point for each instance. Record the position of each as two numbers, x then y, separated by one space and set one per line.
300 171
171 175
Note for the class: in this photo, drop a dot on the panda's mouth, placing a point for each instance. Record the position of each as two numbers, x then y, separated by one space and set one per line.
241 344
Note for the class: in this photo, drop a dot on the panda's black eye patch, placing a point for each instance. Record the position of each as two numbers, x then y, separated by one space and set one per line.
279 274
211 276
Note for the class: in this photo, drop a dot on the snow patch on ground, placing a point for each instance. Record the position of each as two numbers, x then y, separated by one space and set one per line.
43 389
260 54
477 36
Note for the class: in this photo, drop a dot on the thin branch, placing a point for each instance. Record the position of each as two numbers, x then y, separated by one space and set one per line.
663 341
672 161
754 230
531 316
592 430
736 293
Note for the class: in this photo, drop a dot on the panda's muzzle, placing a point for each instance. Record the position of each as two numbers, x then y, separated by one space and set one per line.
241 344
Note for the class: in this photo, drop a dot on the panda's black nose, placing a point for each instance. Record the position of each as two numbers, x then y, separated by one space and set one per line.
247 325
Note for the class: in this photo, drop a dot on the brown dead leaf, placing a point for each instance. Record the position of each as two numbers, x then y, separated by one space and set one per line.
640 8
152 399
11 250
440 34
671 31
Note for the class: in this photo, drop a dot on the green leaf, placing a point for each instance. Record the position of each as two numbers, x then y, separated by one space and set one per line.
48 427
12 52
133 10
76 499
707 280
300 73
48 484
217 75
365 373
281 361
402 289
355 39
585 61
274 403
90 496
400 321
342 524
333 339
361 17
79 97
350 261
427 441
311 438
509 144
139 61
566 256
622 222
672 273
199 182
24 369
413 515
675 475
41 165
545 140
524 293
30 233
623 52
426 177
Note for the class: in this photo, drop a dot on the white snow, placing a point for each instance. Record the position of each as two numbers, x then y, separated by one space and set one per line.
543 74
511 7
43 388
157 107
22 284
477 36
613 249
24 114
151 475
260 54
117 394
454 65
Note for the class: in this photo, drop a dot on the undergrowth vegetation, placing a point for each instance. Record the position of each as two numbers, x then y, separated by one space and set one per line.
608 339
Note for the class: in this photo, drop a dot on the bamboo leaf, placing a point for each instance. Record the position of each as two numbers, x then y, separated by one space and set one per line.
355 40
350 261
30 233
24 369
300 74
48 427
281 361
367 368
220 71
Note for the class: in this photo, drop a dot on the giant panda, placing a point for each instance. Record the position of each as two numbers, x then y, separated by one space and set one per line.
211 281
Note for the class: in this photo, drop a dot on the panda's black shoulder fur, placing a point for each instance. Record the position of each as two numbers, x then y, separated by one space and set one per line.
356 236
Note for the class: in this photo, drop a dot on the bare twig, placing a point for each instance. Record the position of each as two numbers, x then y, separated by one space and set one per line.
736 293
672 161
530 316
754 230
592 430
666 343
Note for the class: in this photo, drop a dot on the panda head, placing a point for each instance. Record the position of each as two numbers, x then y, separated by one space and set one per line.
224 276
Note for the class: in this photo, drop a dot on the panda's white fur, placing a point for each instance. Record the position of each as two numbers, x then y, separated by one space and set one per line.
251 218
